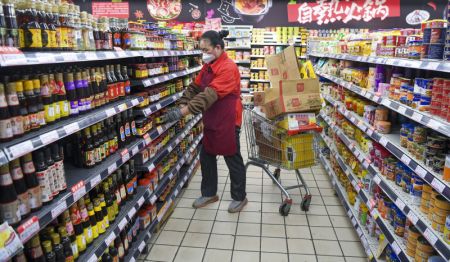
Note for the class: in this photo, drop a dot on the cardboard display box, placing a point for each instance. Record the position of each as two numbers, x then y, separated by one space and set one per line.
292 96
283 66
258 98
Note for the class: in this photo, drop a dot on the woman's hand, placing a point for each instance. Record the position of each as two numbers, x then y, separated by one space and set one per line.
184 110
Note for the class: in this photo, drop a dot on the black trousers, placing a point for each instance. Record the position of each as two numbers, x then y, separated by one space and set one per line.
236 167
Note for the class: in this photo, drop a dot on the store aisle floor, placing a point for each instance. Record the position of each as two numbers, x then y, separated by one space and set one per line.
259 232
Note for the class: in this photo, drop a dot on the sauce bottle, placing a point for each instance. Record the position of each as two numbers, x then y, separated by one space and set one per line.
127 126
128 180
92 220
112 193
58 248
113 253
64 104
9 204
71 93
116 188
57 156
96 145
87 230
80 92
39 104
12 34
54 95
109 203
43 176
66 222
47 99
126 79
115 81
75 216
51 23
6 130
88 156
57 23
113 139
104 140
121 186
89 89
101 196
49 254
23 107
97 35
120 82
32 183
124 239
106 257
104 86
120 129
42 20
21 188
66 243
14 107
30 33
32 106
120 249
53 177
101 227
65 29
34 249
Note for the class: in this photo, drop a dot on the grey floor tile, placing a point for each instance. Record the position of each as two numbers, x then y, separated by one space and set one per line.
248 229
300 246
270 244
200 226
221 241
228 228
195 239
245 256
298 232
189 254
340 221
170 238
205 214
177 224
217 255
336 211
354 249
330 259
326 247
249 217
297 220
355 259
302 258
225 216
346 234
324 233
270 257
273 230
272 218
247 243
319 221
162 253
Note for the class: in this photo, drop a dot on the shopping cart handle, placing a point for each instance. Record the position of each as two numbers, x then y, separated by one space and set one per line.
305 128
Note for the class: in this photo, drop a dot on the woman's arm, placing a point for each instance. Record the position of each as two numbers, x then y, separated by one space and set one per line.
191 91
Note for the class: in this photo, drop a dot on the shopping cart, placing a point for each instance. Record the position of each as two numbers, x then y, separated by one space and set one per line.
270 145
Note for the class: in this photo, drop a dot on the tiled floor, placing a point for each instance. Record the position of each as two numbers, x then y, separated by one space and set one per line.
259 232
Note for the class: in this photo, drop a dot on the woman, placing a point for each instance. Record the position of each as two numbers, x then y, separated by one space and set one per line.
216 93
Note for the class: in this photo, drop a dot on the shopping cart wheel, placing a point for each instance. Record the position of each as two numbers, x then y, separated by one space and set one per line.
306 202
276 174
285 207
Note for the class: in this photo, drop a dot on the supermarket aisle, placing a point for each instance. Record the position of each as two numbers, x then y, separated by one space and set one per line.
259 233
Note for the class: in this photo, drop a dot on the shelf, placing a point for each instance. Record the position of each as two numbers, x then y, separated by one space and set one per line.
257 56
395 241
238 47
54 132
245 76
151 164
259 81
38 58
163 78
79 182
414 114
128 211
242 61
258 68
246 90
401 199
370 244
440 66
392 143
144 236
272 44
149 110
231 38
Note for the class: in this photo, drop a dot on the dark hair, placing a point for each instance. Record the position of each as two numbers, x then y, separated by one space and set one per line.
215 38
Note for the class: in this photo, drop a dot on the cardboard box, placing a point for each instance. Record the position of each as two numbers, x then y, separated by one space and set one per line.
258 98
283 66
292 96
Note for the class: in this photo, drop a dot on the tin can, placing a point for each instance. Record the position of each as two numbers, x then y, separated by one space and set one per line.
435 51
437 35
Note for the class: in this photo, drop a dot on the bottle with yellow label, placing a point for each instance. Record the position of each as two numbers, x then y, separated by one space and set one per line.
30 33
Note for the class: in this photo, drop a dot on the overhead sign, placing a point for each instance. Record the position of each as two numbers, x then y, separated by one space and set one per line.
111 9
329 11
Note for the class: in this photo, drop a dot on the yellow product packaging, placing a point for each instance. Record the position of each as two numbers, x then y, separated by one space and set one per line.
298 151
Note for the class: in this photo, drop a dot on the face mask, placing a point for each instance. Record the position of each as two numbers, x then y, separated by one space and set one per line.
208 58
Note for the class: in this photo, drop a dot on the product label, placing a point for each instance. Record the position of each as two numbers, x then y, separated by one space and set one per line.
73 107
133 128
44 182
10 212
24 203
65 108
127 129
123 192
34 123
59 167
111 91
26 123
97 155
41 118
33 38
12 99
28 167
53 180
21 38
6 130
49 112
64 37
35 197
90 158
127 87
122 134
130 187
57 108
52 43
17 125
45 38
121 87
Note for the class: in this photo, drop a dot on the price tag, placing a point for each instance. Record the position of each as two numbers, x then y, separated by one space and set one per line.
430 65
412 217
396 248
28 229
125 158
171 176
69 57
71 128
405 159
153 199
147 139
377 180
354 221
432 238
420 171
357 188
122 224
112 168
93 258
78 190
141 201
20 149
95 180
402 110
359 231
366 164
383 141
417 117
434 124
400 204
186 178
134 102
110 238
175 192
59 209
170 148
123 107
131 213
159 129
438 185
369 131
49 137
141 246
146 83
349 213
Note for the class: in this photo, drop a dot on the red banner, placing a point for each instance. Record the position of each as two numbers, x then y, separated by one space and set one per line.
108 9
329 11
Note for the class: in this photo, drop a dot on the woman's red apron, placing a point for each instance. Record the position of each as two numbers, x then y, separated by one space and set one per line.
219 122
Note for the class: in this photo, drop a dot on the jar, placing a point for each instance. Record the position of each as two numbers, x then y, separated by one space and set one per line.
404 133
399 223
417 189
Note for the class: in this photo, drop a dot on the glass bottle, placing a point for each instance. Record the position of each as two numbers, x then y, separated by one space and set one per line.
120 82
92 220
58 248
119 247
32 183
64 104
34 249
72 96
113 253
109 203
96 145
49 254
126 118
14 107
39 103
126 37
67 245
120 129
43 176
6 130
75 216
21 188
9 203
91 32
47 99
94 86
51 24
32 105
126 80
116 189
106 257
104 140
12 33
23 107
59 30
101 227
124 239
80 92
104 86
89 90
87 229
54 95
42 20
88 156
121 186
57 156
77 31
128 180
54 183
104 210
30 33
65 29
98 36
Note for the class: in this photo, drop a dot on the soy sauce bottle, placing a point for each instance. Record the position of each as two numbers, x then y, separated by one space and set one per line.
32 183
43 176
9 203
6 130
21 188
58 247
